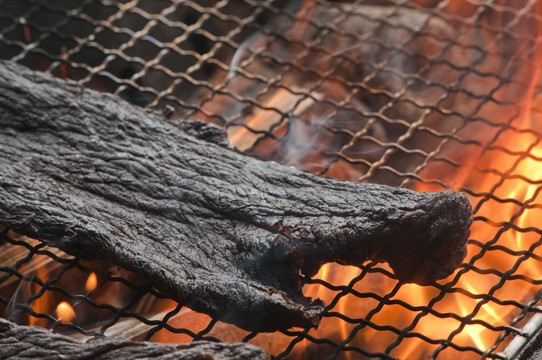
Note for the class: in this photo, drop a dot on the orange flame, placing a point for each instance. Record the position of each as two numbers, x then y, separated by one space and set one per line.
41 304
91 283
65 312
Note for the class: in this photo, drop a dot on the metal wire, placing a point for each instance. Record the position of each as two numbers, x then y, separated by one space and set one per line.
421 94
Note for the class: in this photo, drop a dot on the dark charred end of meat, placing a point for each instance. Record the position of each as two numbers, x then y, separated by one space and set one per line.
422 236
277 315
435 240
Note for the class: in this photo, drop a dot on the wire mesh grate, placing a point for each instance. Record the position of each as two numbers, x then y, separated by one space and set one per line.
421 94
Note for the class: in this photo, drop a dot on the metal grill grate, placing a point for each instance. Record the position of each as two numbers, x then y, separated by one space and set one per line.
421 94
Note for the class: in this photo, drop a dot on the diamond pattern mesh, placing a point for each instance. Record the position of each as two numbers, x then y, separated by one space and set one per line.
420 94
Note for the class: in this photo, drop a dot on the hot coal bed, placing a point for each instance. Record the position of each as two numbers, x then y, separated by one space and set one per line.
181 209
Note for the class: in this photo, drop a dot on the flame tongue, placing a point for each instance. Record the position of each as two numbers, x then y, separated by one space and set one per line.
65 312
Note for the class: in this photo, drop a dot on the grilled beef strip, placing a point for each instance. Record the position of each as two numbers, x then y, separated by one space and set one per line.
32 342
222 232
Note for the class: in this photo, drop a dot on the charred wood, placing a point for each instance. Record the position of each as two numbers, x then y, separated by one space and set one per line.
221 232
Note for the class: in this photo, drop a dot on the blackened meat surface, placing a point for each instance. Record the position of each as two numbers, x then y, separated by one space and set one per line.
32 342
222 232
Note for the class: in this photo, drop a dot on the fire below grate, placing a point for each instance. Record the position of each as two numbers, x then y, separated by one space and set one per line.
421 94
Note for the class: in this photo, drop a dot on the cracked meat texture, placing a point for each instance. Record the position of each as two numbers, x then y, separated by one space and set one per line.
222 232
32 342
